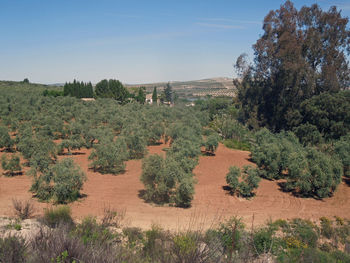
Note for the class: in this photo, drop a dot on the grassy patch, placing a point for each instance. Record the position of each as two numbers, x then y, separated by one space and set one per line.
239 145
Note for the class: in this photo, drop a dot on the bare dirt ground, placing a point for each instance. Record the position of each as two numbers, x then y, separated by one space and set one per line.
210 205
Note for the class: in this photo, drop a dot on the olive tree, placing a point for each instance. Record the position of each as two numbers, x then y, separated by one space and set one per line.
11 165
5 139
314 173
342 148
74 143
166 182
212 143
154 180
109 156
243 182
61 183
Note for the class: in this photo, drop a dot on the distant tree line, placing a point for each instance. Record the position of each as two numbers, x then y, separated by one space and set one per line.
112 88
78 89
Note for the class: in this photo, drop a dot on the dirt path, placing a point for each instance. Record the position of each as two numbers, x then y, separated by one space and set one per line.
211 201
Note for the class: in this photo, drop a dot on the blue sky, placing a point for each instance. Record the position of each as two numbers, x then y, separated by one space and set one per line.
133 41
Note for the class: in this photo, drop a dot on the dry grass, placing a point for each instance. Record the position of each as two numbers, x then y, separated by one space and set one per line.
23 209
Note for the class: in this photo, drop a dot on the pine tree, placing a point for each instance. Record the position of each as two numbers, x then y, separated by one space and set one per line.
168 93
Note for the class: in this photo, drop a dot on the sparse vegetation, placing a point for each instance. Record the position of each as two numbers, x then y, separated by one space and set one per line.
294 240
23 209
55 216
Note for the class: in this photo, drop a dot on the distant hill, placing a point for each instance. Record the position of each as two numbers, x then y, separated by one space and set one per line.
184 89
195 88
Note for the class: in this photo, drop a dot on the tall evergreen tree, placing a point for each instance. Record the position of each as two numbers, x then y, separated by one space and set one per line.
154 95
141 95
111 89
168 93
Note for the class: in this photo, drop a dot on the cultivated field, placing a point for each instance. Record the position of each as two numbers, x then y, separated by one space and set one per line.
212 203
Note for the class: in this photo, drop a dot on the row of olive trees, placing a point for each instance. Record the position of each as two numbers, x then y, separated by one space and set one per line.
170 179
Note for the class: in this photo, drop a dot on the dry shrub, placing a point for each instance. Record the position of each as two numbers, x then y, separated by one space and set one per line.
23 209
13 249
112 217
50 244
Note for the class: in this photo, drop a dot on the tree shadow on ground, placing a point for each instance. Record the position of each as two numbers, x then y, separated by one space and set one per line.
347 180
142 195
101 171
227 189
13 174
206 153
72 153
283 188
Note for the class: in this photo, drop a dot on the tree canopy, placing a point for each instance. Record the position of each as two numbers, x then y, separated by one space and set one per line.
111 89
301 53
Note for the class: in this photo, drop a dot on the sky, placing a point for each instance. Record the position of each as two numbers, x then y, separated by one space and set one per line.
134 41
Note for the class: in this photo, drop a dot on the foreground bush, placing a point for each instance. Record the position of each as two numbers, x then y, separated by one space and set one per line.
294 240
90 232
13 249
23 209
55 216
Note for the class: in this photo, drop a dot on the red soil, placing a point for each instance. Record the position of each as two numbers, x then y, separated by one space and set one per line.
211 202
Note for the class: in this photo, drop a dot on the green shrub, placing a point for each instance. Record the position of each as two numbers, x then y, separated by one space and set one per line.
326 227
134 234
153 242
17 226
304 231
185 247
57 215
90 232
230 234
239 145
306 255
265 241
